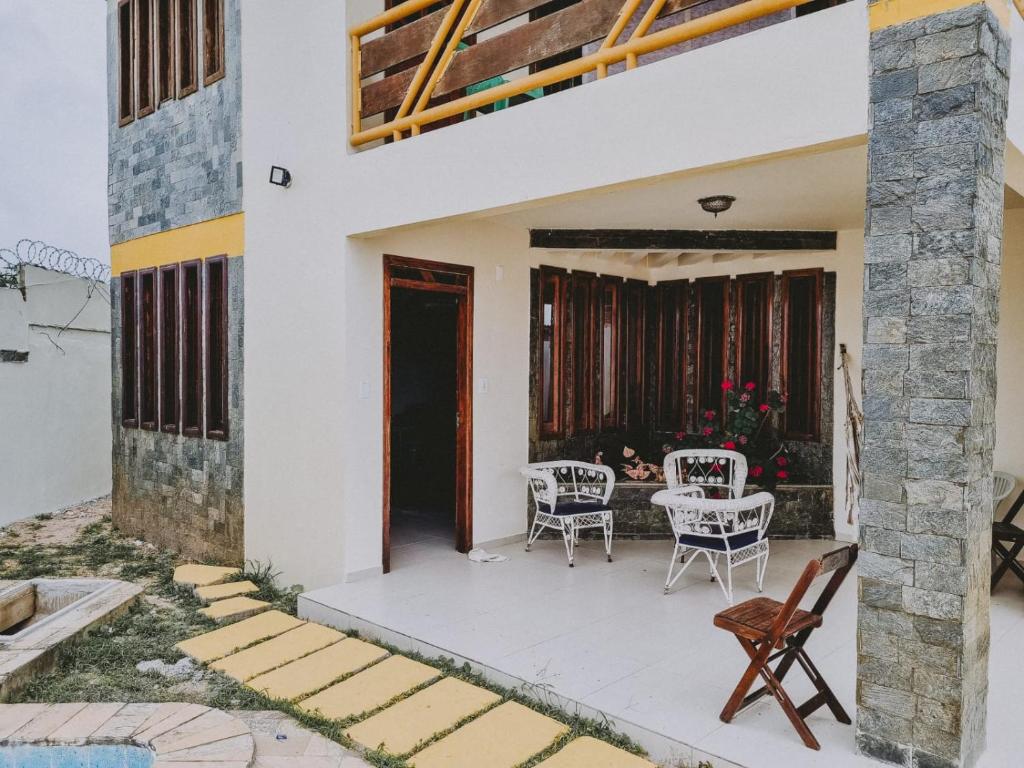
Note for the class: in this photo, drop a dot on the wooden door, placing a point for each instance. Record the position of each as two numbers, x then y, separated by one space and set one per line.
419 275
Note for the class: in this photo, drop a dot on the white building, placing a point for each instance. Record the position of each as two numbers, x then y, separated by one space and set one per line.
55 380
875 156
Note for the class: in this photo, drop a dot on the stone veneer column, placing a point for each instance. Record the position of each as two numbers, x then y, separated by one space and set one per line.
931 288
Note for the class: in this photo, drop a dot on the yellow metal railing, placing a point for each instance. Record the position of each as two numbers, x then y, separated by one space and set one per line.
453 27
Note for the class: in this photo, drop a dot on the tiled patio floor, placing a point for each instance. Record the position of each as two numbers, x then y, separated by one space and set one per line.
603 636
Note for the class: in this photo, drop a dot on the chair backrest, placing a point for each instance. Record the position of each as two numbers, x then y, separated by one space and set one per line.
838 562
692 514
707 468
575 480
1003 484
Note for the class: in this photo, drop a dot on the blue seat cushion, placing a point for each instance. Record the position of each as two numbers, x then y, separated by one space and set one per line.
736 540
563 508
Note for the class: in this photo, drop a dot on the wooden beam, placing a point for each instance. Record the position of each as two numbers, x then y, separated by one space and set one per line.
683 239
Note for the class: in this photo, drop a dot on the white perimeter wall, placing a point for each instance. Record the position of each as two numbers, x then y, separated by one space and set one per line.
55 409
1009 453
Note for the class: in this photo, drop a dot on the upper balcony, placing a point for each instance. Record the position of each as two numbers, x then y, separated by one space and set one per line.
424 64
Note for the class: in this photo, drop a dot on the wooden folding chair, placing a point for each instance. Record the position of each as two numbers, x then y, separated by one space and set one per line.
771 631
1006 532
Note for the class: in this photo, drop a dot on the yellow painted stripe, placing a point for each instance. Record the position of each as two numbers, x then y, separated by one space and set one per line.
889 13
217 237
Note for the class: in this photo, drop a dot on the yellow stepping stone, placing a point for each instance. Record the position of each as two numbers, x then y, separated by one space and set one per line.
587 752
194 575
223 591
318 670
504 737
234 608
371 688
402 727
276 652
221 642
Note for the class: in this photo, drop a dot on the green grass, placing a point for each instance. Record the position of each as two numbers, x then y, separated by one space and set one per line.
102 666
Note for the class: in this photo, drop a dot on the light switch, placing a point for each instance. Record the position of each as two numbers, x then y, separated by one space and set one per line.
499 273
364 390
485 385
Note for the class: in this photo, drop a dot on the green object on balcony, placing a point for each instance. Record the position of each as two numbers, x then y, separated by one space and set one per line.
494 82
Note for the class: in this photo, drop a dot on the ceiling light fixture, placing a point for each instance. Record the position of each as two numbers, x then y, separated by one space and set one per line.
717 204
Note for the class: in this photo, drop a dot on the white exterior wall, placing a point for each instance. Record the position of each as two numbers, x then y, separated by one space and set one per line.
313 363
1009 453
55 417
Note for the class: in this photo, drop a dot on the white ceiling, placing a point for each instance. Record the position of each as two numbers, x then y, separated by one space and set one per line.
824 191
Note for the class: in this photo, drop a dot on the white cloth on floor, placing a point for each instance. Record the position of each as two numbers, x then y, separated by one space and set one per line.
483 556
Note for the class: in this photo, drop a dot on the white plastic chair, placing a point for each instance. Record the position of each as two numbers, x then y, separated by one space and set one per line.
708 469
570 496
735 529
1003 484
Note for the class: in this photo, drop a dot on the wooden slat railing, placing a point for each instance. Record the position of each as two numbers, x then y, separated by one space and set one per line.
385 76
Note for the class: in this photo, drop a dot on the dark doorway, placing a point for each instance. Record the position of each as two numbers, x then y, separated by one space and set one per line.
423 402
427 467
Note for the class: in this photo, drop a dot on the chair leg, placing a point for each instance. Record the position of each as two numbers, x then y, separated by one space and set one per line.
1009 560
608 523
532 535
726 585
762 566
569 536
673 578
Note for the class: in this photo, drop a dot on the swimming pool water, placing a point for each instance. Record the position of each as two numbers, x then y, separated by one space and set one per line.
92 756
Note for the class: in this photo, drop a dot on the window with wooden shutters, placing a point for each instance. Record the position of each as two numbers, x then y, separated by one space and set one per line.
634 331
217 348
191 349
170 358
213 40
801 352
754 330
165 47
188 81
144 56
671 318
148 407
611 350
550 384
585 351
129 350
125 63
712 297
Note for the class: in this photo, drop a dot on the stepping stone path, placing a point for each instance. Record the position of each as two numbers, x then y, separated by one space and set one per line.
234 608
392 703
216 592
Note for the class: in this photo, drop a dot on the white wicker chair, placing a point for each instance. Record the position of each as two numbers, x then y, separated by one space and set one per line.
570 496
707 468
734 528
1003 484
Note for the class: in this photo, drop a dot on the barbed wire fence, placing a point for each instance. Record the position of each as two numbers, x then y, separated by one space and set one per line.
39 254
36 253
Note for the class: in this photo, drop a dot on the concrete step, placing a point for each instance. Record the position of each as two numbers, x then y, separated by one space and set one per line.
233 609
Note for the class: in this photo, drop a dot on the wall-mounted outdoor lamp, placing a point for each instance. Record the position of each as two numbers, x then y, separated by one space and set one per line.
282 177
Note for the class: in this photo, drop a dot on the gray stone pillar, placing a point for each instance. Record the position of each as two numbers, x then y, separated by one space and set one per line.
931 289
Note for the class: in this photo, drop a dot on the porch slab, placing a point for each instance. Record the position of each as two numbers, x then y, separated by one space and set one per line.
401 728
370 689
603 640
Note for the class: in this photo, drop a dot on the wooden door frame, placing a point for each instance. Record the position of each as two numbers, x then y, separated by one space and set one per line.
428 281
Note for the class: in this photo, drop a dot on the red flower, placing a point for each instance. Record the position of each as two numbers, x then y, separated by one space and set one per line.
750 386
680 435
727 385
709 415
729 445
707 431
782 474
756 471
781 461
765 408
